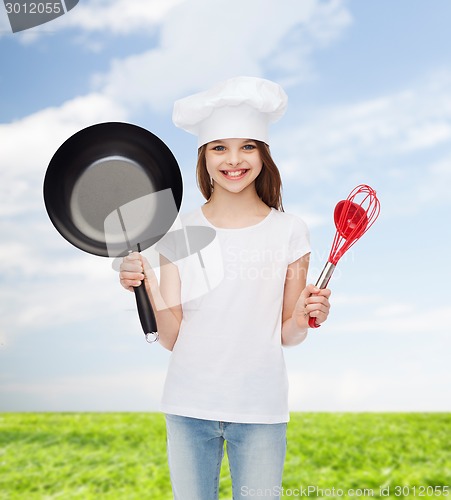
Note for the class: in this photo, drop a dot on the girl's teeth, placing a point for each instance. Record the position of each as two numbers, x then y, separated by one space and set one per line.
234 173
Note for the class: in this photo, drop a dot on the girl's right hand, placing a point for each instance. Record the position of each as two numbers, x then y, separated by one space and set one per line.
135 268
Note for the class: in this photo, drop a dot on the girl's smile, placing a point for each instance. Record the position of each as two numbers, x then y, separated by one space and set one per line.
234 175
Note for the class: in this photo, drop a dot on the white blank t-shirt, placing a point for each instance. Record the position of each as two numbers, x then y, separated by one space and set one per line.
228 363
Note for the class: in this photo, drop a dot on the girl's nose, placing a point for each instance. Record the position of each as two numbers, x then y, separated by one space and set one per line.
233 158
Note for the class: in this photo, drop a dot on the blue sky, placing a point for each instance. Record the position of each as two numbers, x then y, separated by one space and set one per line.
369 86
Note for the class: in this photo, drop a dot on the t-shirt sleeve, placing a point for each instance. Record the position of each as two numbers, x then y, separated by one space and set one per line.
299 242
173 244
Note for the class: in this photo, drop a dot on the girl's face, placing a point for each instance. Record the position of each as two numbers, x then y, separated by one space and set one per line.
233 164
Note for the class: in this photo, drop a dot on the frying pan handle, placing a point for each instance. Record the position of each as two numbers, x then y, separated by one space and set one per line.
322 282
145 312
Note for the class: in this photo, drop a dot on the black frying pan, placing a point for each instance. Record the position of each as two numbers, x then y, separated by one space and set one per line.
113 188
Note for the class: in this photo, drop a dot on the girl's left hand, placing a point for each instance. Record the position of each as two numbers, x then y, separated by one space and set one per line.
313 302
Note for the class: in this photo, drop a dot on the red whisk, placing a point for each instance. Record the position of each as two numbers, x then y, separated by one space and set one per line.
352 220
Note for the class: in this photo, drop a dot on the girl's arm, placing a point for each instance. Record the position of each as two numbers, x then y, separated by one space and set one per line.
300 302
165 299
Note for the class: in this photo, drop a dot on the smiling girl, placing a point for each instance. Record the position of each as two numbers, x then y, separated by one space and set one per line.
227 380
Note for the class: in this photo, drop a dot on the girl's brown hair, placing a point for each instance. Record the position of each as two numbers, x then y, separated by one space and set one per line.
268 183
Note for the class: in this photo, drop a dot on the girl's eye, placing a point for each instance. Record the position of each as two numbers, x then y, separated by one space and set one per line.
219 148
249 147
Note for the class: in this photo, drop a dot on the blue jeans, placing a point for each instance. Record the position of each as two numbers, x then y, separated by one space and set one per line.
256 454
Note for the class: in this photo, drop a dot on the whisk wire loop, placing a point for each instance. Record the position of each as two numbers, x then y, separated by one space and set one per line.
353 218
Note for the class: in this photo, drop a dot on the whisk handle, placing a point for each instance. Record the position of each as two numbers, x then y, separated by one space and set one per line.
325 275
322 282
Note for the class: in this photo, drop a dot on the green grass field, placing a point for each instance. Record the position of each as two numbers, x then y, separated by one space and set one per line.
123 456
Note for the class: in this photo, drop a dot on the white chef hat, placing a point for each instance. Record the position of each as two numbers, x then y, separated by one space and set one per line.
241 107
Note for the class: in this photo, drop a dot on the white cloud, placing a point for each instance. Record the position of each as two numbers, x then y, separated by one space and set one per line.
50 291
132 390
426 135
421 321
386 313
346 138
367 314
118 16
196 47
312 219
435 186
409 388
